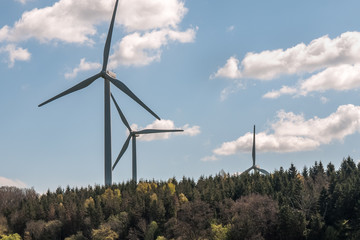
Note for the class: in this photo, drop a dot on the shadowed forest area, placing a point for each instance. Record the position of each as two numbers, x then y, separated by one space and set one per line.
313 203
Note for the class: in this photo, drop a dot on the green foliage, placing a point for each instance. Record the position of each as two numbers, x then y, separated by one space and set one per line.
145 187
10 237
44 230
292 223
104 233
182 198
171 187
89 203
77 236
220 232
161 238
318 203
151 231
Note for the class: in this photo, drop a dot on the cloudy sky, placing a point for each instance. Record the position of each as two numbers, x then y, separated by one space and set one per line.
212 68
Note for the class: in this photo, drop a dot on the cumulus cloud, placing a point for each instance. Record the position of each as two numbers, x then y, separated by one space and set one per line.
293 133
190 131
83 66
15 54
338 78
318 54
141 49
334 64
267 143
230 70
67 20
11 183
165 124
144 15
282 91
150 25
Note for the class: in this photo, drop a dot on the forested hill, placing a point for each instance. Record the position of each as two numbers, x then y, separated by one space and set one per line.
315 203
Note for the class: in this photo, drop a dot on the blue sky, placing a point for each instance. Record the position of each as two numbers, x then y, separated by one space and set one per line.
212 68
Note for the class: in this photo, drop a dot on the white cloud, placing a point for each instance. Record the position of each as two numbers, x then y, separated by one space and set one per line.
318 54
292 133
142 15
141 49
67 20
282 91
335 62
338 78
165 124
345 121
183 37
11 183
267 143
15 54
83 66
190 131
151 24
230 70
75 20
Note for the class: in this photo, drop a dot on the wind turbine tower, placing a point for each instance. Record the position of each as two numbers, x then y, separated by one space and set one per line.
133 135
254 166
108 77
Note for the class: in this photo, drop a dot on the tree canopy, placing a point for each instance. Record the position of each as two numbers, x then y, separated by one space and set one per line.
316 203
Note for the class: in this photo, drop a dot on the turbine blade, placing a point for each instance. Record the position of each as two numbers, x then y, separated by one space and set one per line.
122 116
77 87
108 39
263 171
123 150
148 131
128 92
249 169
253 148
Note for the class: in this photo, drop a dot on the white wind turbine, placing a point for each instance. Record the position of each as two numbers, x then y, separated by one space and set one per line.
108 77
133 135
255 167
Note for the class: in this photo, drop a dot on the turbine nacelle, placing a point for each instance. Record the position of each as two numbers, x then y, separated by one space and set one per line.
111 74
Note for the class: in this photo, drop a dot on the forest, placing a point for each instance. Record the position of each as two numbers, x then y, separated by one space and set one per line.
317 202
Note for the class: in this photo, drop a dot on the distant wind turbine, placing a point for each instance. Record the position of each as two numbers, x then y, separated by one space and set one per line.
108 77
133 135
255 167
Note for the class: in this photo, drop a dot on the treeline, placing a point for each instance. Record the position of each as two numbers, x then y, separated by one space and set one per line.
314 203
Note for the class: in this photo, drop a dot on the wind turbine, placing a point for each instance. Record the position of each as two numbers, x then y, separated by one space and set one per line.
255 167
133 135
108 77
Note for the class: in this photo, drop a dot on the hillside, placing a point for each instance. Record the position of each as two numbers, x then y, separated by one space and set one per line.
314 203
